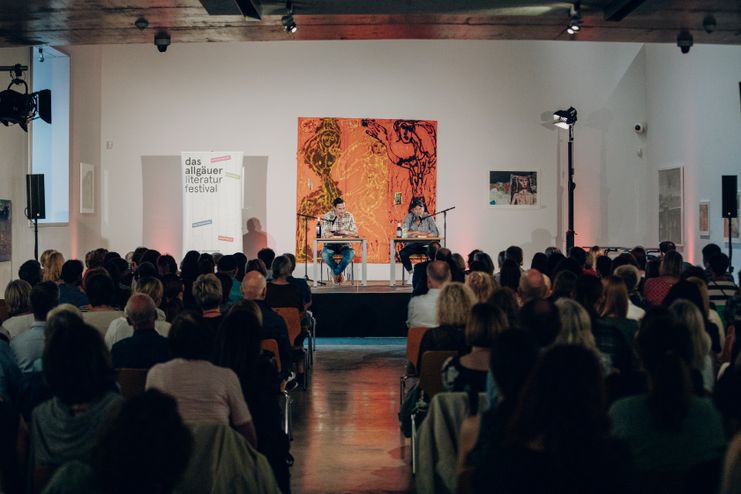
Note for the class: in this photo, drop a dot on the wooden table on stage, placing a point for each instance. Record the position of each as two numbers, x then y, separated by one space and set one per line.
343 240
405 240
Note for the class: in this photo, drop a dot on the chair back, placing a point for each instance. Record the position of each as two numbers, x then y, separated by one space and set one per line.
414 339
292 317
430 379
271 345
132 381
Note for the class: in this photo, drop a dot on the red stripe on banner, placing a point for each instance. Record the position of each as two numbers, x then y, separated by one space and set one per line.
220 158
226 239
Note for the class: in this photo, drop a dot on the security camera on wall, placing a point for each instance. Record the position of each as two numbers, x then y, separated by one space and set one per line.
639 127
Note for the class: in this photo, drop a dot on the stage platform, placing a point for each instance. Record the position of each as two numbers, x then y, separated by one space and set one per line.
376 310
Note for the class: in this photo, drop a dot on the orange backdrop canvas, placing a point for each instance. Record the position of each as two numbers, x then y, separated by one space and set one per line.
377 166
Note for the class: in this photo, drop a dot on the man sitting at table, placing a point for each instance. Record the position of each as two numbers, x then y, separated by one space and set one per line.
417 225
338 223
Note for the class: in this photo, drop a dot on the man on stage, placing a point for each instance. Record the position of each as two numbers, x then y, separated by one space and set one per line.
416 225
338 223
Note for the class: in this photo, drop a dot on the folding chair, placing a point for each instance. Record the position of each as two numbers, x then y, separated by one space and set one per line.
414 338
292 317
131 381
271 345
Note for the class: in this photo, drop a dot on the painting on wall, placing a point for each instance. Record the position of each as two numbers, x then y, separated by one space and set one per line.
6 231
671 204
513 189
376 165
704 219
734 224
87 188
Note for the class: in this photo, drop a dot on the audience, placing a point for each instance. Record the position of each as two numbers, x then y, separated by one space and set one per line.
208 296
280 292
482 284
28 347
422 309
52 268
70 291
228 266
100 290
533 285
18 299
121 328
614 308
30 271
670 267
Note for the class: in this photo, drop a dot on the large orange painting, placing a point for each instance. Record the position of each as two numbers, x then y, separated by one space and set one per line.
376 166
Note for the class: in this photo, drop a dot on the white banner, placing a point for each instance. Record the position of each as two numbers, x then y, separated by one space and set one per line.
212 201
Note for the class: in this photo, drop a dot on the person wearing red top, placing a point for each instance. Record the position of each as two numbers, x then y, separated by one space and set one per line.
655 289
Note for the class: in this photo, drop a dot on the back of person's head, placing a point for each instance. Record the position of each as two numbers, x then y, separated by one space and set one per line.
95 258
690 315
484 260
146 270
241 261
549 251
76 362
52 269
510 273
140 311
665 348
667 246
694 272
438 273
139 252
624 259
460 263
18 297
501 257
514 252
454 303
62 314
166 265
567 264
576 326
145 447
540 262
709 251
532 285
292 259
266 255
688 291
150 286
432 249
513 357
207 291
189 338
227 264
189 265
216 256
44 257
484 323
472 256
151 256
540 319
671 264
443 254
253 285
482 284
44 297
630 275
579 255
564 284
99 287
206 264
30 271
615 297
249 306
256 265
281 267
719 264
238 341
594 252
588 291
506 300
72 271
639 253
227 282
603 266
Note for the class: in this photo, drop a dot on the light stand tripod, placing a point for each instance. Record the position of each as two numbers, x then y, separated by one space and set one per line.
306 219
444 212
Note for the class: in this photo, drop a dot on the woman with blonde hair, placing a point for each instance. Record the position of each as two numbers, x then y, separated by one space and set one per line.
614 307
482 284
453 306
576 329
52 270
690 315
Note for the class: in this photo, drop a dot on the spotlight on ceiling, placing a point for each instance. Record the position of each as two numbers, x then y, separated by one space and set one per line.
21 108
685 40
564 118
575 19
162 41
289 24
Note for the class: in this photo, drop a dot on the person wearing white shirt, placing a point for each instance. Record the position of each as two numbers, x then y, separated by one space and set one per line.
421 311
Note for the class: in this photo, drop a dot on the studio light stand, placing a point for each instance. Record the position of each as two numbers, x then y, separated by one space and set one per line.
306 219
444 212
565 119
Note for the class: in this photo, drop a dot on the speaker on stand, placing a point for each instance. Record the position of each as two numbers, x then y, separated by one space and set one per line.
730 210
35 206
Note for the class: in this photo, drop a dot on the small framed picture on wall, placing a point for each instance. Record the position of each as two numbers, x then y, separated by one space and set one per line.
704 219
514 189
87 188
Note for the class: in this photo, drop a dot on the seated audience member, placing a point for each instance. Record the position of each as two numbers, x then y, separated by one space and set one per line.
690 291
300 283
541 320
668 428
468 372
166 265
256 265
533 285
121 328
145 447
579 256
280 292
173 292
119 272
453 305
639 254
636 302
655 289
28 347
483 261
151 256
444 254
69 290
208 296
563 285
460 264
274 327
30 271
604 266
614 307
10 375
707 253
595 252
204 392
189 273
241 261
96 258
101 292
44 257
576 329
482 284
506 300
267 255
540 263
720 288
553 261
419 274
78 371
228 265
238 348
510 275
145 347
227 283
422 309
557 445
52 269
18 298
702 360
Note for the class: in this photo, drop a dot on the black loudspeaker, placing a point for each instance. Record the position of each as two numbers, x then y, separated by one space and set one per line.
730 208
35 206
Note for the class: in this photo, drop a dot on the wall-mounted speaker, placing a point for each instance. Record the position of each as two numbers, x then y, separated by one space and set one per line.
35 206
730 208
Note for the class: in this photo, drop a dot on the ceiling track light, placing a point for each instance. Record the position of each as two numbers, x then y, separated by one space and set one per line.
289 24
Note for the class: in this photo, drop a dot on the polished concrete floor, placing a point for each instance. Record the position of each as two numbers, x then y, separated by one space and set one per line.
346 431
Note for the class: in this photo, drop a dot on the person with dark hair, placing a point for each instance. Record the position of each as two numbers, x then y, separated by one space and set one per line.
238 348
241 260
206 264
122 279
166 265
639 253
300 283
228 265
563 285
668 428
146 347
10 375
136 257
172 296
558 445
28 347
689 291
485 262
144 448
506 299
540 263
204 392
720 287
510 274
636 303
472 256
189 273
69 290
18 300
280 292
567 264
267 256
30 272
95 258
541 320
77 369
603 266
456 274
101 292
338 222
655 289
256 265
580 256
417 224
151 256
515 253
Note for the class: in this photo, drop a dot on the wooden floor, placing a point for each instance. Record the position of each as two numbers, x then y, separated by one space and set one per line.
346 431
